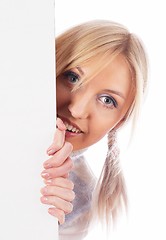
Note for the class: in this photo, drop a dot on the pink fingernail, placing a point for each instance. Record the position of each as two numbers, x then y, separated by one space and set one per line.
50 211
44 190
45 175
48 181
47 165
51 151
60 124
44 200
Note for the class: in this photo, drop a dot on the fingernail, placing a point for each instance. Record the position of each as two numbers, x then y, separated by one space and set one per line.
51 151
60 124
47 165
45 175
48 181
44 190
50 211
44 200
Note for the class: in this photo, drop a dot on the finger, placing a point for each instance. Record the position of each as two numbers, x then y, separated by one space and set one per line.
58 213
60 192
59 157
59 203
59 137
60 125
58 142
58 171
60 182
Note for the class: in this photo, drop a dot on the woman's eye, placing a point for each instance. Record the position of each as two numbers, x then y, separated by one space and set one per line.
108 101
72 77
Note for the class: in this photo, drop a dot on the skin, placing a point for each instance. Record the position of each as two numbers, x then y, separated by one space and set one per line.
97 107
58 191
91 107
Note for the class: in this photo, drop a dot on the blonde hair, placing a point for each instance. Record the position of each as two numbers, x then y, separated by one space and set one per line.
106 39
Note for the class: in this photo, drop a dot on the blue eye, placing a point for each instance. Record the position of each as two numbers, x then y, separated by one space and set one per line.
72 77
108 101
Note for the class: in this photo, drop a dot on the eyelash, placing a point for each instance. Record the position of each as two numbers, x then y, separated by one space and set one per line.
69 75
114 103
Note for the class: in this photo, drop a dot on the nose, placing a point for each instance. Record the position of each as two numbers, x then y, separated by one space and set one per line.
79 106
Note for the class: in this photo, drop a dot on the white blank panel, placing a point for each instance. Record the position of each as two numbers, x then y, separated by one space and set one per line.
27 116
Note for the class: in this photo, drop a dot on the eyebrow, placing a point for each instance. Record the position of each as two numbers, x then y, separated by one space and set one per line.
107 90
115 92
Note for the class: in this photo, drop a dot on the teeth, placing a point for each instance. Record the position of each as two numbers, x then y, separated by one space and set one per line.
71 128
74 130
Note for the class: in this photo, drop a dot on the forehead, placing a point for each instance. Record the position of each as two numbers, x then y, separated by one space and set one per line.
112 74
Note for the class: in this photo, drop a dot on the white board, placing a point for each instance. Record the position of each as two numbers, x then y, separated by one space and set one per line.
27 116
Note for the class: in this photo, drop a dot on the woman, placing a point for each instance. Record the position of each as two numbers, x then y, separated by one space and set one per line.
101 78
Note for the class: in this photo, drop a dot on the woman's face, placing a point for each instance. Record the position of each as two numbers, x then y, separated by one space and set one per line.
96 107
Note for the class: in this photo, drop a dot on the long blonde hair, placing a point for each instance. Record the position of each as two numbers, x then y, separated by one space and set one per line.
106 39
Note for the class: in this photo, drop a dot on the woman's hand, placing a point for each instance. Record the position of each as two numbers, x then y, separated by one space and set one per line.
58 191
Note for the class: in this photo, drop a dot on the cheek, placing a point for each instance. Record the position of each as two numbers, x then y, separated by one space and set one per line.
100 126
61 99
99 129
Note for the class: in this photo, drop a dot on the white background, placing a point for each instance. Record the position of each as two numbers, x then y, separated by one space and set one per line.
27 116
144 159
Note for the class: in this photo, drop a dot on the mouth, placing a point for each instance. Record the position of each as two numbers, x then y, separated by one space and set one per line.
70 127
